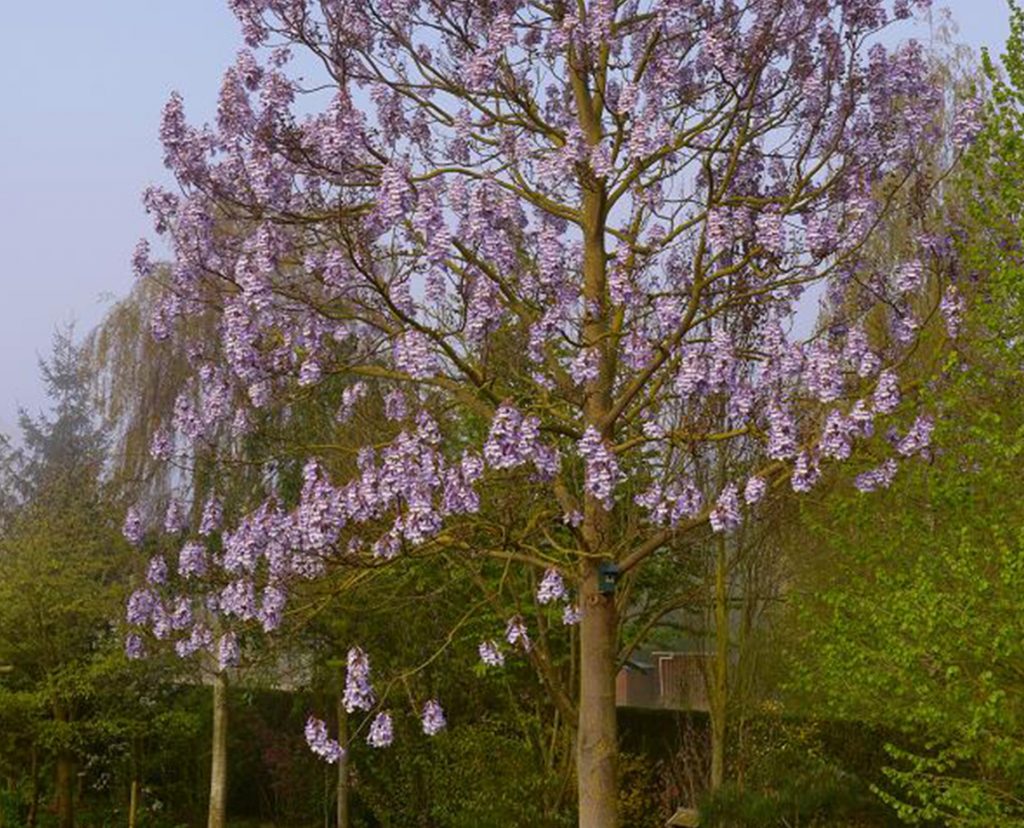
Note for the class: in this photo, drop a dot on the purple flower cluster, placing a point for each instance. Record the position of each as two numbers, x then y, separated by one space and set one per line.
515 633
156 574
835 438
490 654
805 473
213 516
952 307
781 433
512 440
229 653
320 743
192 560
382 731
176 518
552 587
359 693
918 438
755 490
602 469
877 478
134 648
725 516
887 393
433 718
132 529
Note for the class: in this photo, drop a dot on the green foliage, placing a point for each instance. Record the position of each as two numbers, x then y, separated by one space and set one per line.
474 775
640 791
801 772
919 625
910 602
994 247
67 692
910 607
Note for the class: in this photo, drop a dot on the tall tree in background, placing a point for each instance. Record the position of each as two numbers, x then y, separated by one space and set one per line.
562 247
62 566
916 625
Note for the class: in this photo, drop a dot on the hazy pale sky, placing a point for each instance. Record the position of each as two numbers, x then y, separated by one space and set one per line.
81 89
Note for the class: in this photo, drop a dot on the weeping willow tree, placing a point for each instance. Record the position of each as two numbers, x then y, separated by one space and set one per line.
136 381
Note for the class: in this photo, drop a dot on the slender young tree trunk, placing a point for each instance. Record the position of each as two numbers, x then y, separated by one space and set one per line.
219 762
136 787
133 804
719 698
33 806
597 739
343 798
65 776
64 773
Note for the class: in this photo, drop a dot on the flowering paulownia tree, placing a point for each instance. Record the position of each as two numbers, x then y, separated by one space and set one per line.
588 226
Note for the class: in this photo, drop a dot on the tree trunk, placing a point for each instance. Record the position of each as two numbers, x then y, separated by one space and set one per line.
343 799
64 772
719 696
33 807
133 803
597 739
219 760
65 778
135 793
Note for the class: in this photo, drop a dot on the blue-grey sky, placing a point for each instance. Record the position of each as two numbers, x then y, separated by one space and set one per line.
81 89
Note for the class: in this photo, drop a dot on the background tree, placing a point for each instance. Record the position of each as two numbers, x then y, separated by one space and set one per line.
62 564
908 618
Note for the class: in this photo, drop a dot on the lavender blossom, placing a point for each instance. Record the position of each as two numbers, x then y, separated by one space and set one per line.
134 648
877 478
316 737
725 516
132 529
552 587
140 607
359 693
515 633
213 516
805 473
156 574
602 469
176 519
887 393
192 560
229 654
952 307
781 434
835 439
490 654
918 438
754 491
433 718
382 732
